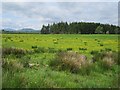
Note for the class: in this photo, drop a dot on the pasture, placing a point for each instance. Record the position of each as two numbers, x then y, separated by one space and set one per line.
41 50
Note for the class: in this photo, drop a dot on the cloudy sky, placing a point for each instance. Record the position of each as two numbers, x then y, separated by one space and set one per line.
19 15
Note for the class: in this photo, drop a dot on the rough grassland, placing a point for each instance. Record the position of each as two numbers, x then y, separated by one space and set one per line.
43 75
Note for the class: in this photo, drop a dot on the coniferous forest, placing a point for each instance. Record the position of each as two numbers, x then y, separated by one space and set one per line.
80 28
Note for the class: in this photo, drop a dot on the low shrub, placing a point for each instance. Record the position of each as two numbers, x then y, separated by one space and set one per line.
71 61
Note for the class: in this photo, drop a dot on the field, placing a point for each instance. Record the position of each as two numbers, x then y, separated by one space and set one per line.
40 50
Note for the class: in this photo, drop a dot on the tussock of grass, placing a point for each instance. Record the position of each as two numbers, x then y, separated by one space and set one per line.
69 49
70 61
106 59
14 51
40 50
12 65
34 46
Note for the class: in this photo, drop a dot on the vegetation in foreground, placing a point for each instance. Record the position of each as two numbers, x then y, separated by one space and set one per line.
31 63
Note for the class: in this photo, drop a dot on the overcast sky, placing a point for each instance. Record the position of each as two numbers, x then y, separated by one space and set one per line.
19 15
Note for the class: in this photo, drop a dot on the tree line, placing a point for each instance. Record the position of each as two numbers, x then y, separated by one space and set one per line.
80 28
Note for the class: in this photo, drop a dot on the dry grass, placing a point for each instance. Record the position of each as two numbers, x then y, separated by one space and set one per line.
71 61
12 65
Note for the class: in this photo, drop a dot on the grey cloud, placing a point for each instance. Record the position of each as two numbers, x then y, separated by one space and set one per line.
36 14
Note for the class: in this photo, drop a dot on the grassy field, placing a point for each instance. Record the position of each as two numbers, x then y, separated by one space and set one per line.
20 50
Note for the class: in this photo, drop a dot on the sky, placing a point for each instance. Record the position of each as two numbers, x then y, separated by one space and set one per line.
18 15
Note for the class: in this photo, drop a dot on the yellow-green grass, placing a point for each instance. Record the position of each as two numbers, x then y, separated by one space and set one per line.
46 77
64 41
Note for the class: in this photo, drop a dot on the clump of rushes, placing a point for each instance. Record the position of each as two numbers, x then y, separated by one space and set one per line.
14 51
35 46
85 43
72 62
83 49
69 49
40 50
93 52
101 44
106 59
96 39
51 50
12 65
21 41
108 49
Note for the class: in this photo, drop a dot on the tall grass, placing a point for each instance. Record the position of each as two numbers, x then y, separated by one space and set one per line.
14 51
71 61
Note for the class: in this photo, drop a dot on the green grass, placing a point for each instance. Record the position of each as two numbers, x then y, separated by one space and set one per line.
44 76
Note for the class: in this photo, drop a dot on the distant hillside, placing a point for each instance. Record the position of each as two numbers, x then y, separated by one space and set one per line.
27 30
24 30
9 29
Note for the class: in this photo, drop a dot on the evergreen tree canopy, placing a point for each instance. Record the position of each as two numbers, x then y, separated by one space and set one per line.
79 28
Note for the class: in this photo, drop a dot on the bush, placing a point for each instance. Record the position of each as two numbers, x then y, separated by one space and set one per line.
70 61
